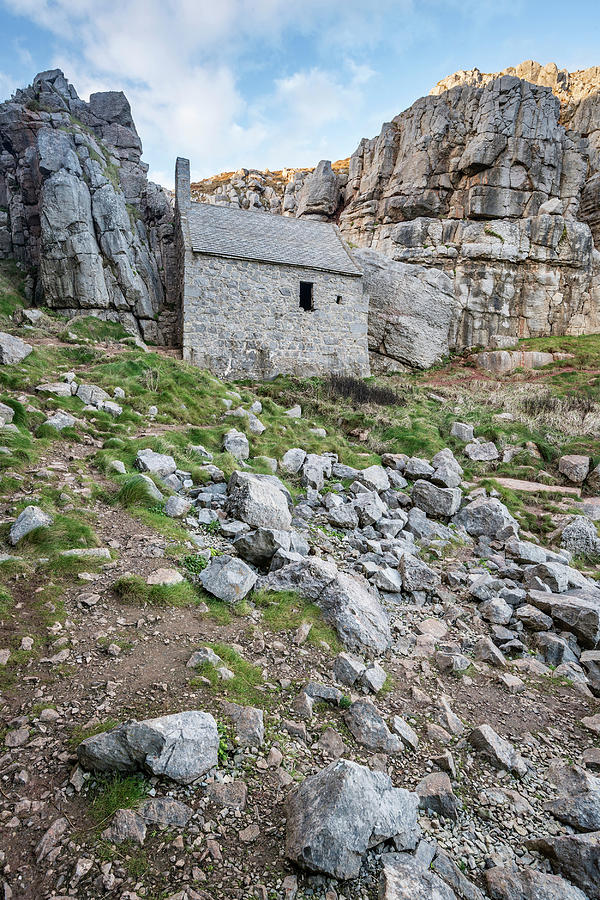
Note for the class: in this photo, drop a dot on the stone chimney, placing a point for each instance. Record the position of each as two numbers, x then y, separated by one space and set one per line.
182 183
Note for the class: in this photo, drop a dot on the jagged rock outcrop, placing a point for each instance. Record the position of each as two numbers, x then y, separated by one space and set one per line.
483 181
314 193
320 194
77 209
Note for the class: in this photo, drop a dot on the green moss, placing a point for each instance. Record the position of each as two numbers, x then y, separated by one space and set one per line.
244 687
287 611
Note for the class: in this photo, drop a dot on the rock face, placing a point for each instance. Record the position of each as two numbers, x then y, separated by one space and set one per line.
80 210
411 311
479 207
335 816
483 180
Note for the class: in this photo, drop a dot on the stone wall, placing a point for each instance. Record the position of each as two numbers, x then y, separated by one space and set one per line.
243 319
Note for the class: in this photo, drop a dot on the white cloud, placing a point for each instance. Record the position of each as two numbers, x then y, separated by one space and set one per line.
186 66
7 86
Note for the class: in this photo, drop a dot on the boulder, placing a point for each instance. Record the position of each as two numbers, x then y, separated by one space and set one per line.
580 537
410 312
407 877
369 507
126 826
335 816
417 575
462 432
344 600
578 611
227 578
436 795
236 443
164 811
487 517
293 460
92 395
374 478
319 196
369 728
577 857
12 349
485 452
574 467
499 751
347 669
182 746
513 883
580 811
60 420
160 464
258 502
177 507
315 469
437 502
260 546
248 724
151 488
31 518
203 656
407 735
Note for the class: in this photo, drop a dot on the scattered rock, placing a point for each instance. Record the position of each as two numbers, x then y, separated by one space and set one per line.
335 816
182 747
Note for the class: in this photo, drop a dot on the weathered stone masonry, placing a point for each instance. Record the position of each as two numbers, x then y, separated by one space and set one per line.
242 317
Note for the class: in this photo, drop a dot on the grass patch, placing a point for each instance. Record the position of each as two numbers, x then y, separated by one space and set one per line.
286 611
132 589
247 679
90 328
66 533
6 602
135 491
113 792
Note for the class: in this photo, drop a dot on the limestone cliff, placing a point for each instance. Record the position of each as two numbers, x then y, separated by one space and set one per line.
77 209
484 181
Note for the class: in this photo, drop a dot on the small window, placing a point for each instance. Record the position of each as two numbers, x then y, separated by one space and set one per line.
306 296
338 299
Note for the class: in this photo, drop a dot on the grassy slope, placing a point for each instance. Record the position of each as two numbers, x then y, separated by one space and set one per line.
414 415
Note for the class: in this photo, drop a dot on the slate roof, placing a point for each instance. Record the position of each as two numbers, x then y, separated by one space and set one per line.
265 237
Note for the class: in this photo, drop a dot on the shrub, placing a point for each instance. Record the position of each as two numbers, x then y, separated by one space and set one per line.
360 392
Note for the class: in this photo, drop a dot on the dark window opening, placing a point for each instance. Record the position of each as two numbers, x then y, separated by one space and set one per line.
306 295
338 299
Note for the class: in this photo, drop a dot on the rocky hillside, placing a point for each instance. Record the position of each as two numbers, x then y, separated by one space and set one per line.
282 191
492 179
299 640
77 210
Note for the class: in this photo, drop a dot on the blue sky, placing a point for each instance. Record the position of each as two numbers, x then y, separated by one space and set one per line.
272 83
